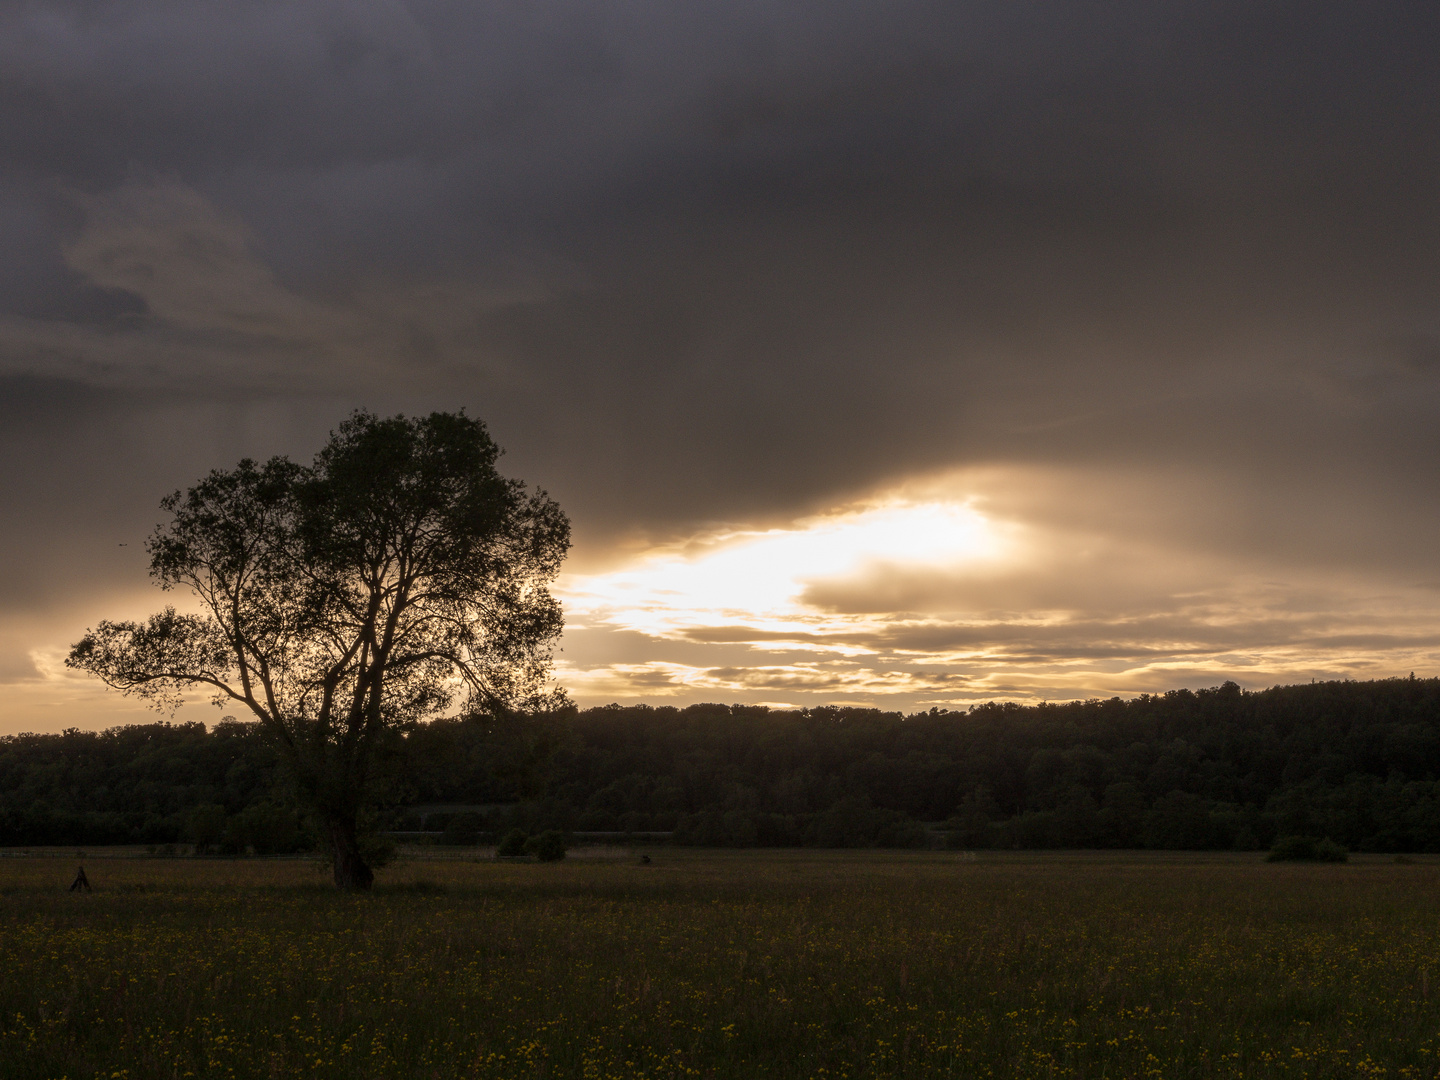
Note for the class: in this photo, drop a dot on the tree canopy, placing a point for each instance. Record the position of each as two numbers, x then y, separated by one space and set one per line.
395 577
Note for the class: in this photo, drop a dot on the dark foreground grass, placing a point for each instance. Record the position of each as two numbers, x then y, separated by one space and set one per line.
725 965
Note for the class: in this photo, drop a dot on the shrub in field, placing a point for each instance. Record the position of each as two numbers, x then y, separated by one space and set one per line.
512 844
1306 849
1292 849
549 846
1328 850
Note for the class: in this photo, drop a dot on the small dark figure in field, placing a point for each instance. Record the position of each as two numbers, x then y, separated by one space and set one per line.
644 860
81 882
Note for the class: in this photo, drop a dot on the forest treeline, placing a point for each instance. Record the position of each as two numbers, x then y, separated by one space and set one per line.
1358 762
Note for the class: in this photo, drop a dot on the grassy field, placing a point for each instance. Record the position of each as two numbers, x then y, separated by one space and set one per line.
729 964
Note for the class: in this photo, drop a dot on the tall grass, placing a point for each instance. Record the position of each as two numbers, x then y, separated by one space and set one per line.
774 964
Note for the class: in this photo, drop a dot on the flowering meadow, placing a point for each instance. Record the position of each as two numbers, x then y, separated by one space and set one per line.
723 964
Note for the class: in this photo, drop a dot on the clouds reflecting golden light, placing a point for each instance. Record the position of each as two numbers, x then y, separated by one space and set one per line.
954 590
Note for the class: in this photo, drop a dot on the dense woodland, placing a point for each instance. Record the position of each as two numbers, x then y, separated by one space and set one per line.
1358 762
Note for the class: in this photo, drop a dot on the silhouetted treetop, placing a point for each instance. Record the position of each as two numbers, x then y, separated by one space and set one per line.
347 600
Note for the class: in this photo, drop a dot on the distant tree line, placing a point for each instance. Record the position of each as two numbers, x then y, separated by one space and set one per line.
1357 762
158 784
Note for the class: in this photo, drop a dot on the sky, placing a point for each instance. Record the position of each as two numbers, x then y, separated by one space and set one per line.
882 352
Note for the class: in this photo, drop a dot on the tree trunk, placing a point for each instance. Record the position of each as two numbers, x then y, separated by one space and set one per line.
351 873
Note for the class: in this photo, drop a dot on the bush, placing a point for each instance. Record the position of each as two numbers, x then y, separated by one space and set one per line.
513 844
1306 849
1328 850
1292 849
549 846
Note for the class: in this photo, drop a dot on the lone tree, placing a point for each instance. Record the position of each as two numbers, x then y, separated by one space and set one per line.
349 599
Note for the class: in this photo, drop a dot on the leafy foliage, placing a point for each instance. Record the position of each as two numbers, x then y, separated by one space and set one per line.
346 601
549 846
1306 849
137 784
512 844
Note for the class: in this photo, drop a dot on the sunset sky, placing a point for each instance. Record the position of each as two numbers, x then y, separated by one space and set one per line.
893 353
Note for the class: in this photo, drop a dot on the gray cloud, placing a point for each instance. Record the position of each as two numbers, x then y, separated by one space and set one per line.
729 262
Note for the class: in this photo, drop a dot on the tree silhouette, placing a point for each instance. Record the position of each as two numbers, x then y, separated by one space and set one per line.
350 599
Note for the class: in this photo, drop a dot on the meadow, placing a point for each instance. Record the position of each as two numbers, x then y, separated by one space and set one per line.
724 964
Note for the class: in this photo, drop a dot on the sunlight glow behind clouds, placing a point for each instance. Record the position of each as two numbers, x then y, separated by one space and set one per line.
758 578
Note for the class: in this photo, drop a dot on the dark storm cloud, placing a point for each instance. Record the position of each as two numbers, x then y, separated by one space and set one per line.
718 261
